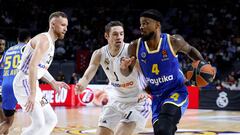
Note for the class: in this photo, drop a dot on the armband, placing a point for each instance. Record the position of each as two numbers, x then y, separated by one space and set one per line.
48 77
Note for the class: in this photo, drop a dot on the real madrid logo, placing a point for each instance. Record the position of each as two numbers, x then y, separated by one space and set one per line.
143 55
222 100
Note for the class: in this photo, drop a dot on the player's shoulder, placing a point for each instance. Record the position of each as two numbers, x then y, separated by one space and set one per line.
175 37
98 52
176 40
41 37
135 42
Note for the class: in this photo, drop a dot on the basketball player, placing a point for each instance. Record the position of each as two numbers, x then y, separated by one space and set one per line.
36 58
156 53
2 48
123 112
11 58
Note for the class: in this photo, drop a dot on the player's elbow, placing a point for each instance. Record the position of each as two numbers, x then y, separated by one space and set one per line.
194 54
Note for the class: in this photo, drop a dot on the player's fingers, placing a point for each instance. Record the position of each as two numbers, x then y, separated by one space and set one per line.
77 89
28 107
125 60
58 91
65 86
31 107
76 92
133 58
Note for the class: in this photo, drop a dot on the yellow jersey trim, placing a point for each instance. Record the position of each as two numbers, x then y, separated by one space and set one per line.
138 44
154 51
178 105
170 45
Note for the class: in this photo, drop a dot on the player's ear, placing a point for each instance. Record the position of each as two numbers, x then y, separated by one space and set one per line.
106 35
52 23
158 25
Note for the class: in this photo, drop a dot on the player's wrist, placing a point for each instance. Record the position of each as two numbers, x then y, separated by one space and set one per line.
49 77
33 94
83 82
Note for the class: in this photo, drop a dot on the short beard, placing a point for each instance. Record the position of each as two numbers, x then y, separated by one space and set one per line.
148 37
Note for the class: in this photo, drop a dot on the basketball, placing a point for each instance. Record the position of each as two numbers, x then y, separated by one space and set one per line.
87 96
201 73
100 97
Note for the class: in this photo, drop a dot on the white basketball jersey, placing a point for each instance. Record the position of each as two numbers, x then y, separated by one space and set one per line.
44 62
121 86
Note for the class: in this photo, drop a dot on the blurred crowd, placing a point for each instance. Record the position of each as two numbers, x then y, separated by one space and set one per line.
212 28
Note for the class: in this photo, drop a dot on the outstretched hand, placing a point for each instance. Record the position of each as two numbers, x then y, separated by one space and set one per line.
30 104
126 62
58 85
78 88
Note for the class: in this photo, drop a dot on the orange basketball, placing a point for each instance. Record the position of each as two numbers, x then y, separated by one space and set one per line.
201 72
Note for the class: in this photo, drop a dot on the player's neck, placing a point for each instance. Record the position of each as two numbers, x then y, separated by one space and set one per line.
52 35
154 41
114 50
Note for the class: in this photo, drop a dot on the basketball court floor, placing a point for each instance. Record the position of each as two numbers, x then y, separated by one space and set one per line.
83 121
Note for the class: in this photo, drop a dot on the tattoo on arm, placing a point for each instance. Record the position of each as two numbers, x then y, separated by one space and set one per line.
194 54
180 45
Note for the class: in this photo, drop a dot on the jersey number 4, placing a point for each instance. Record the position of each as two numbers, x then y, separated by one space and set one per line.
12 61
155 69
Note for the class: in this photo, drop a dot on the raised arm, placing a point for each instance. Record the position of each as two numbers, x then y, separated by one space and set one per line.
90 72
180 45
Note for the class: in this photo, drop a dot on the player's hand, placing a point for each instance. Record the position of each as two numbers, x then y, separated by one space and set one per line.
78 88
126 62
30 104
142 96
58 85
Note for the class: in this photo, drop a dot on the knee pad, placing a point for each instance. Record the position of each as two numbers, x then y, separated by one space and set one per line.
8 113
164 127
168 119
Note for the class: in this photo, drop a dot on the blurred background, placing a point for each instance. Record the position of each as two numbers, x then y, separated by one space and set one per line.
213 28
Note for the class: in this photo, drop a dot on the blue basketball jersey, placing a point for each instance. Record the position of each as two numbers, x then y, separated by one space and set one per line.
160 67
11 61
164 77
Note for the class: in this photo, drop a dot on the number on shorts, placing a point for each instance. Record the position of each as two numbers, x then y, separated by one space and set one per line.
175 96
126 116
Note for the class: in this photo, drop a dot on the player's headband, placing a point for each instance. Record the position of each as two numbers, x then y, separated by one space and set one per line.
153 14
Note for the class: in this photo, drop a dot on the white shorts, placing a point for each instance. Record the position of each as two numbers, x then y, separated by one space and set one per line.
116 112
21 89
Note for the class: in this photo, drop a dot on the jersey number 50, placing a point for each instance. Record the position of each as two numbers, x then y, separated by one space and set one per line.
12 61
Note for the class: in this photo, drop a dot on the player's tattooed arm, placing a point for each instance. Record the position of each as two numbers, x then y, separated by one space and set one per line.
180 45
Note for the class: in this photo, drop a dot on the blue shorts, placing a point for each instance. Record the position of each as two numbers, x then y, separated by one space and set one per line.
178 98
9 101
